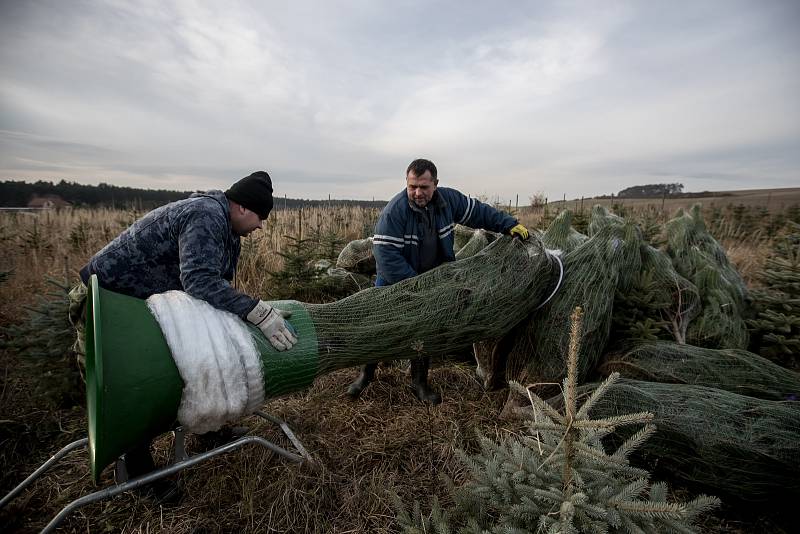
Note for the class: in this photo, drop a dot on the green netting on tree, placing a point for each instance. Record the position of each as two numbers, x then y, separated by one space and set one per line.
592 272
600 218
439 312
357 257
660 303
741 446
698 257
480 239
652 300
560 235
733 370
461 234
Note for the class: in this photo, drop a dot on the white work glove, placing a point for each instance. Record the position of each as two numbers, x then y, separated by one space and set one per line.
272 322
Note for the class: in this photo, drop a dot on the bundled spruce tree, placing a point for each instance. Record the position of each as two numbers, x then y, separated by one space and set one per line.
558 477
776 328
699 258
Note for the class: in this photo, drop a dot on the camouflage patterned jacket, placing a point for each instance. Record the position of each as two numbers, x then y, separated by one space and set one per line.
187 245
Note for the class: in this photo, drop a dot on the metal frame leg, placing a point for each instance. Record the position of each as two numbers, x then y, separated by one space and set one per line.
182 461
44 467
107 493
289 434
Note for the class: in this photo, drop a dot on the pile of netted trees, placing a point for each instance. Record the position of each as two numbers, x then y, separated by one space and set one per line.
673 322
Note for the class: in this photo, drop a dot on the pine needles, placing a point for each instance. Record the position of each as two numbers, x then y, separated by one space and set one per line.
44 338
558 477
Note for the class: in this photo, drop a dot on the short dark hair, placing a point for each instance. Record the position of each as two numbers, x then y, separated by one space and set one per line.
419 166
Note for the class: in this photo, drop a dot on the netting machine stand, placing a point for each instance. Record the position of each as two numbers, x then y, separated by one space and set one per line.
182 461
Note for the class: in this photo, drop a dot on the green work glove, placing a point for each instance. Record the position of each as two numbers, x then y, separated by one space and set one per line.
272 322
519 231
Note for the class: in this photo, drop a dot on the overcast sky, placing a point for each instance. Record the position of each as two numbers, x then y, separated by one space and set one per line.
337 97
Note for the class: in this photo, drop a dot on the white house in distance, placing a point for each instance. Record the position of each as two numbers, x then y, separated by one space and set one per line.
48 202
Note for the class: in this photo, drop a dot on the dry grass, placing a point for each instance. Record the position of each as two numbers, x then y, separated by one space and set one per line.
386 440
58 243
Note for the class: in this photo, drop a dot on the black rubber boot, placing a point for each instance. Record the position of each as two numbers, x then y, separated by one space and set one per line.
363 380
419 381
138 462
218 438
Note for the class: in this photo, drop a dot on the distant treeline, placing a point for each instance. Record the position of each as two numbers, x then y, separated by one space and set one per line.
651 190
18 194
661 191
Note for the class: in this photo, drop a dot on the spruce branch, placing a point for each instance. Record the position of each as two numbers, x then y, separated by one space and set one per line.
536 401
615 421
601 390
634 442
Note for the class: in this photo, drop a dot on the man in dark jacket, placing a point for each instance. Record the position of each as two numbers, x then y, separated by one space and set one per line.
192 245
414 234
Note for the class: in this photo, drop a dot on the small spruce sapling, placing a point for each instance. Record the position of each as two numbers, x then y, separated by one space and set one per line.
558 477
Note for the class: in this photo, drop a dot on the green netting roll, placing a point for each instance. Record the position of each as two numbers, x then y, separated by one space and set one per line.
733 370
731 444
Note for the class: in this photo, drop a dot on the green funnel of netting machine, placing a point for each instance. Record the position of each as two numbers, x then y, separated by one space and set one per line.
133 387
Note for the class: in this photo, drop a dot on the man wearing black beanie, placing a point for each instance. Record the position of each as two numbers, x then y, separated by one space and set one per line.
192 245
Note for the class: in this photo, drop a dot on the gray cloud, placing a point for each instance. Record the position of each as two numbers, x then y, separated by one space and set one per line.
337 97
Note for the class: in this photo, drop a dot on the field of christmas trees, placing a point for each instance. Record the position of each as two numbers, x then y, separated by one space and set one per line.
682 333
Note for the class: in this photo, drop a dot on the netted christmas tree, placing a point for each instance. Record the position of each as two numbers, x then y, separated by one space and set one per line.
734 370
660 303
776 327
592 272
632 290
698 257
357 257
439 312
734 445
561 235
558 477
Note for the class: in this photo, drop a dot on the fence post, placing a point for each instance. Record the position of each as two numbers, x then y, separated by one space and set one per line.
300 224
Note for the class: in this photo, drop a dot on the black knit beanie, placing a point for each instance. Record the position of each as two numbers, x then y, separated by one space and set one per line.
254 192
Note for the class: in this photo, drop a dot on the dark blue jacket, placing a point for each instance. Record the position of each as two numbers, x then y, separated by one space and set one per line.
187 245
401 225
